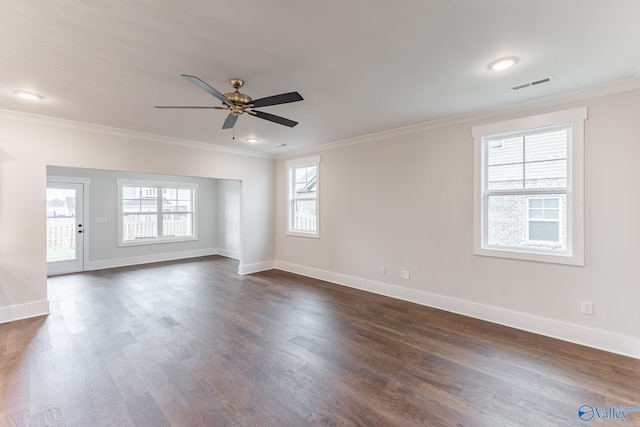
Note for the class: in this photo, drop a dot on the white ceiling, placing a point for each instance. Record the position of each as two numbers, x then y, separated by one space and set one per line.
362 66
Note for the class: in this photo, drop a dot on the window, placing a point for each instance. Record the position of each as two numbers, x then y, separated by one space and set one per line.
152 212
302 183
529 188
543 220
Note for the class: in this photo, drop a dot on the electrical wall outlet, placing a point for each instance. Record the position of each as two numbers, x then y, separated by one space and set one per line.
381 271
587 307
404 274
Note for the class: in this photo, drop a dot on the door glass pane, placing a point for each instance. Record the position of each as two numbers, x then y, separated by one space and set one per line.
61 224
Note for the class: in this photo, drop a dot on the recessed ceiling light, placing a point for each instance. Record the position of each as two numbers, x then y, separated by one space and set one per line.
252 140
28 95
503 63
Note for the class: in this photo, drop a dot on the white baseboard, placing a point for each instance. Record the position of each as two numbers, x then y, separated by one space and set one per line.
146 259
256 267
228 253
23 311
596 338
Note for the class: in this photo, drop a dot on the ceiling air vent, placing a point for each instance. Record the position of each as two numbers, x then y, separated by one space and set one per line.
531 83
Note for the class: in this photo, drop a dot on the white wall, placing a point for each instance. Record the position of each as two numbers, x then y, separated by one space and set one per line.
228 217
405 202
29 143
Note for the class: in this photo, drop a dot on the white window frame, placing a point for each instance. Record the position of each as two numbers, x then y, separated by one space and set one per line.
291 196
159 185
574 118
558 220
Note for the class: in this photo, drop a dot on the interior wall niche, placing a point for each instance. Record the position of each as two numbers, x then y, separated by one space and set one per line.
218 219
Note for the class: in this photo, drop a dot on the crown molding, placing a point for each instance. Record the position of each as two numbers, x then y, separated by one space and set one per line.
629 84
625 85
124 133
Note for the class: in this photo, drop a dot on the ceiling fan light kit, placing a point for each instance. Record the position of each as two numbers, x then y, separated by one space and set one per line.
238 103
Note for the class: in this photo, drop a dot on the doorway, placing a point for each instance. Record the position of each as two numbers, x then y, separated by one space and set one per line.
66 229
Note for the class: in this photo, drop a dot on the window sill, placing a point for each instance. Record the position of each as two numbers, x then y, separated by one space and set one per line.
552 258
303 234
150 242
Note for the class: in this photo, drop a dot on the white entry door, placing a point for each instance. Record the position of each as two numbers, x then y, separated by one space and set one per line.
65 227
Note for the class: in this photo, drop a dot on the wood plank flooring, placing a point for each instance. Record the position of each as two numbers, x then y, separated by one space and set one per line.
191 343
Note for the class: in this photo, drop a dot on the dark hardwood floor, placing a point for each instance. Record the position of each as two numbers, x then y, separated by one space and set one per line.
191 343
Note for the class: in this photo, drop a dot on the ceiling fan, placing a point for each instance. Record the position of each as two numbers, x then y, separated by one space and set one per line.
238 103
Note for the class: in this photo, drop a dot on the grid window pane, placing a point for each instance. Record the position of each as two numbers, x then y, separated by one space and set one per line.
506 177
131 206
137 227
177 225
131 199
517 221
536 213
305 181
129 192
547 174
304 215
545 146
531 161
544 231
510 151
552 213
177 200
185 193
536 203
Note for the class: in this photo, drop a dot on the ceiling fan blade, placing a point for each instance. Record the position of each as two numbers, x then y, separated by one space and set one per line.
202 85
230 121
182 106
283 98
273 118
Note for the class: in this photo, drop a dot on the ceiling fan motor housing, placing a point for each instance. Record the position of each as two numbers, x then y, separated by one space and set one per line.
236 97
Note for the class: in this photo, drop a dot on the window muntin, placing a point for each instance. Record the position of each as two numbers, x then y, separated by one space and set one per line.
302 180
519 165
156 212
